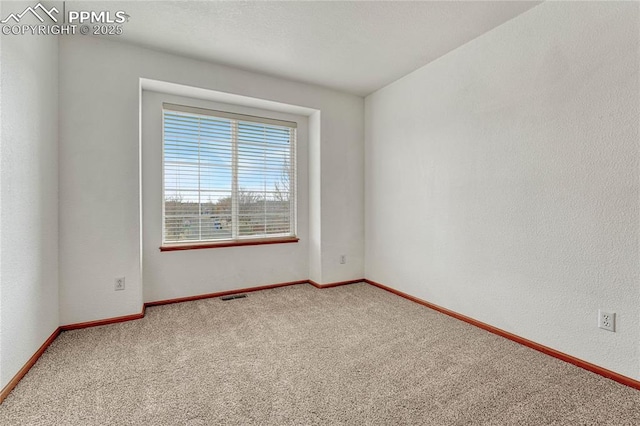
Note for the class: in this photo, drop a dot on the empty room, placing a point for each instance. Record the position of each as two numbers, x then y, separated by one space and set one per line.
319 212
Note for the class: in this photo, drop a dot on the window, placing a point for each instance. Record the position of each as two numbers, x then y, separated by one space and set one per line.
227 177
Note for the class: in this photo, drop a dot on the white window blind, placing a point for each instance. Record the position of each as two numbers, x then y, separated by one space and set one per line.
227 176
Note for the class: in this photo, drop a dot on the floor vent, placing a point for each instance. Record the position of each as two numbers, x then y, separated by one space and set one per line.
233 296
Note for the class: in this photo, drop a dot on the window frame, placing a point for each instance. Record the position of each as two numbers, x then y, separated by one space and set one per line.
239 240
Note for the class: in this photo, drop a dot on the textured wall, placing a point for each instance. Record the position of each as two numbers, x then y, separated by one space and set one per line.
29 193
502 180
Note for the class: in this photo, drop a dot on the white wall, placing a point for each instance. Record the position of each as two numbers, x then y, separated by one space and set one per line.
99 213
174 274
315 199
29 193
502 180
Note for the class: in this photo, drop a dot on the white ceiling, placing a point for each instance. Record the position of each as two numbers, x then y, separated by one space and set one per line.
353 46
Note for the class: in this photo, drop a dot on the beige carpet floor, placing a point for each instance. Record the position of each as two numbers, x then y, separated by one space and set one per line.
299 355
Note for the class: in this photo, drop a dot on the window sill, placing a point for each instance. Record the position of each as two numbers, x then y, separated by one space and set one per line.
234 243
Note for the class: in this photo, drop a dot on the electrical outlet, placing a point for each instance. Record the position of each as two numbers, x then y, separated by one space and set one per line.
343 259
607 320
119 284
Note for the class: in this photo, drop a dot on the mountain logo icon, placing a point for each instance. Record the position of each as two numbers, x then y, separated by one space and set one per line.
34 11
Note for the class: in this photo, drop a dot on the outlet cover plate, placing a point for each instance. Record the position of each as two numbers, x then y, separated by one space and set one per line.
119 284
607 320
